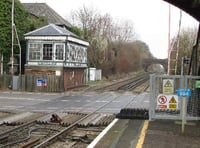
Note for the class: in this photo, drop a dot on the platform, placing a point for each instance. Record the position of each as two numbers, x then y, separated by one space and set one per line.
127 133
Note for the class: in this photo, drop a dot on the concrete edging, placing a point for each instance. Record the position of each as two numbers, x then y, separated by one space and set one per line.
98 138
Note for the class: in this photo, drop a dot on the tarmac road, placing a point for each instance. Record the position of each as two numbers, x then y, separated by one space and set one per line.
49 102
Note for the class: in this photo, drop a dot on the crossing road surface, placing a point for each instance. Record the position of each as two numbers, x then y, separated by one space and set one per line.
85 102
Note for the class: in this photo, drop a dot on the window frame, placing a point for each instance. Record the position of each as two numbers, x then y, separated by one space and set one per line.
55 52
31 52
49 52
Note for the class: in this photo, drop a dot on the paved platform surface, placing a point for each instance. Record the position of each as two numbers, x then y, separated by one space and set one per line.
159 134
168 134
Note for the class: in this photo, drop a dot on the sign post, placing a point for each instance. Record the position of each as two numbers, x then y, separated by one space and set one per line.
184 93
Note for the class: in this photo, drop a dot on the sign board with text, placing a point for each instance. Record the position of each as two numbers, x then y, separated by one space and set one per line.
168 86
167 101
184 92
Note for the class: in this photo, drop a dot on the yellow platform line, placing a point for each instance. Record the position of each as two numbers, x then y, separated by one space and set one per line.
142 134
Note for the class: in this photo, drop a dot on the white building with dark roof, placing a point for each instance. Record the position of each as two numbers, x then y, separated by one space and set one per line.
53 50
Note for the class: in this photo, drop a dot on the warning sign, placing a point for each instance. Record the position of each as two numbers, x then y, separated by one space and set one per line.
172 100
167 101
162 99
168 86
172 106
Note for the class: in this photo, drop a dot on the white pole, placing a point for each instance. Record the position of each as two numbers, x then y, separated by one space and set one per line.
169 36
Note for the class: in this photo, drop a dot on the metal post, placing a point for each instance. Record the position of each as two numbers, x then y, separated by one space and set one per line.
169 46
182 66
183 113
2 64
20 50
12 50
151 96
183 98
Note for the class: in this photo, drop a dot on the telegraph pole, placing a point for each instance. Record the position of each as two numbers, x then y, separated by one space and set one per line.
169 36
12 50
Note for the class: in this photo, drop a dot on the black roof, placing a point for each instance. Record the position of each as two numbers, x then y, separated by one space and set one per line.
42 9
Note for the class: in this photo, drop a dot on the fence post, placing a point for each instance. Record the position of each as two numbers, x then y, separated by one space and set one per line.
152 95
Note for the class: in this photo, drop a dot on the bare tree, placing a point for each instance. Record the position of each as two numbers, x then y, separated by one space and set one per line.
105 34
123 31
182 47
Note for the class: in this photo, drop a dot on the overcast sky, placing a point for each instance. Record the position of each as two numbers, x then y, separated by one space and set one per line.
149 17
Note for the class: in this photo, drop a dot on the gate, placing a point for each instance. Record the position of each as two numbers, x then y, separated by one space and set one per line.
166 100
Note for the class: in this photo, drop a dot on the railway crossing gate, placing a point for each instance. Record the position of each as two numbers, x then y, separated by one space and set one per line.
172 96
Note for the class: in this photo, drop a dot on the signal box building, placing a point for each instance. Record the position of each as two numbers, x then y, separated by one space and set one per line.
53 50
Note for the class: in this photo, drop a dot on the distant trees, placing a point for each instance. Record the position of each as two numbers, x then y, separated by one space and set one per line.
112 42
182 45
131 55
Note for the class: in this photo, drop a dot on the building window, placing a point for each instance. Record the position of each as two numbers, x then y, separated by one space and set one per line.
59 52
47 51
34 51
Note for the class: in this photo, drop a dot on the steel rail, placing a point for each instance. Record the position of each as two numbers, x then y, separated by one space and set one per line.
134 83
44 143
116 85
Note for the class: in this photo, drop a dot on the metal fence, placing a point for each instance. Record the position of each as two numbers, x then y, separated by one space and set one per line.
32 83
173 96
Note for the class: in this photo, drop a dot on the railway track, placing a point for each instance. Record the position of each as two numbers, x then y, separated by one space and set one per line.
66 131
134 83
29 129
128 85
77 129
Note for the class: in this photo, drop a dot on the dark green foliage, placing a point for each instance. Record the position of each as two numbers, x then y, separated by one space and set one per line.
76 31
35 23
5 27
23 23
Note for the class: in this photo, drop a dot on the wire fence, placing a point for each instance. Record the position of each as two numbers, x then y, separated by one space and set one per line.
167 95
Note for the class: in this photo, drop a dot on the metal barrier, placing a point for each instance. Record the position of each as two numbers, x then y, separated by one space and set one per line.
174 96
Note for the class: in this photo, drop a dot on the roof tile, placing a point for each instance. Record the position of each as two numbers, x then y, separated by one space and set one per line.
42 9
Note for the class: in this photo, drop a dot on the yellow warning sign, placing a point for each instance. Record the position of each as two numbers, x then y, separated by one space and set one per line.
172 100
168 86
172 106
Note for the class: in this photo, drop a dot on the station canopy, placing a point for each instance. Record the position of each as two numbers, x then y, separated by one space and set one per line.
192 7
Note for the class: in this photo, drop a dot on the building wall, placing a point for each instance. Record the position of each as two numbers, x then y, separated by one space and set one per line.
74 77
43 70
